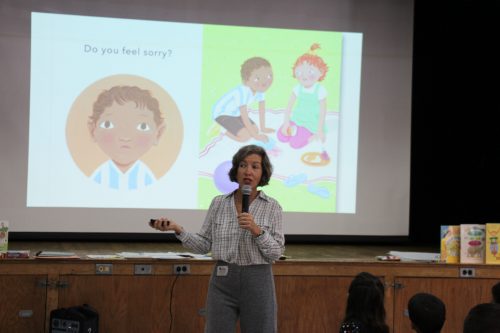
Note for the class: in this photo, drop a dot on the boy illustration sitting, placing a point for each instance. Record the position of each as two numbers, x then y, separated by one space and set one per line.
231 110
126 122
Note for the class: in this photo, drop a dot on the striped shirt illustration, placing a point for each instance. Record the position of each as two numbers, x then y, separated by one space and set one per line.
137 177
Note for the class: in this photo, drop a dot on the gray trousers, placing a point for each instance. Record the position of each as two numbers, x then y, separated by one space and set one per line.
247 293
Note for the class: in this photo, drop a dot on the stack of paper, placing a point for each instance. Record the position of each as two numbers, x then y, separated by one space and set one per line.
162 255
56 255
416 256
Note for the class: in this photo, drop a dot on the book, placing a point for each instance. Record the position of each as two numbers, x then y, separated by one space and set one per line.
450 244
492 237
4 238
18 254
472 243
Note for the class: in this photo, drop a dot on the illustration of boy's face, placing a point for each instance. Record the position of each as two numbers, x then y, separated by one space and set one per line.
126 132
307 74
261 79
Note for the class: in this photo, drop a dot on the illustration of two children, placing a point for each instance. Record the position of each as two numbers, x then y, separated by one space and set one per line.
304 118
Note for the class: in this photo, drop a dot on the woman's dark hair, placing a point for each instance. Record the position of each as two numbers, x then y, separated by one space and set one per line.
242 153
365 303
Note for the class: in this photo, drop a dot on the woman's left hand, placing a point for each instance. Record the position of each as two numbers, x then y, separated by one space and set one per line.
246 222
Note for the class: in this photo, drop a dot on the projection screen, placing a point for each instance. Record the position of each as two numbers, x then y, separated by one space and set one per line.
325 86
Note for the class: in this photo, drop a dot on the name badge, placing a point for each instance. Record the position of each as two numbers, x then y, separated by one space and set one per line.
222 270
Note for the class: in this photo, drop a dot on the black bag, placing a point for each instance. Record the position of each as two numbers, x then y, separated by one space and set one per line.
75 319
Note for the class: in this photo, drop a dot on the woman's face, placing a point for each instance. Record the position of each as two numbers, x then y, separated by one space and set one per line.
250 171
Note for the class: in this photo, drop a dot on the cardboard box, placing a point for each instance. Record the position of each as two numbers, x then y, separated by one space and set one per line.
450 244
472 243
492 239
4 238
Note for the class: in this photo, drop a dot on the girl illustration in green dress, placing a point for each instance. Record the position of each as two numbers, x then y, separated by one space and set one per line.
304 119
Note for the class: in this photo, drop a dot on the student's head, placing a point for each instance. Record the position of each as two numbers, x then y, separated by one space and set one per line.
365 302
257 74
427 313
310 68
483 318
495 292
265 164
126 122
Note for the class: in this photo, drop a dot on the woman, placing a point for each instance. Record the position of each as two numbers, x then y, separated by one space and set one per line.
365 311
244 245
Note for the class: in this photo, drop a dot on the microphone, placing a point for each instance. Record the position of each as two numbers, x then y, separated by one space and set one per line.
245 202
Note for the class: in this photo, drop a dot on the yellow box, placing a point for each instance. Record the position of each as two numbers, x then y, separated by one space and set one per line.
450 244
492 239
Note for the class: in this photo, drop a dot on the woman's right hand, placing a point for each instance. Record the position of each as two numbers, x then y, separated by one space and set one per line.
166 224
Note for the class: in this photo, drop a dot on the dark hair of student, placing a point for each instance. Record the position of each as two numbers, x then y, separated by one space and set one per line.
427 313
483 318
495 292
365 303
243 152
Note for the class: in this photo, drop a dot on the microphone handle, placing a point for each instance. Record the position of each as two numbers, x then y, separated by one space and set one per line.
245 203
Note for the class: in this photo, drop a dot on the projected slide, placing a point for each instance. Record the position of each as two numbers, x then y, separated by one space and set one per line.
147 114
